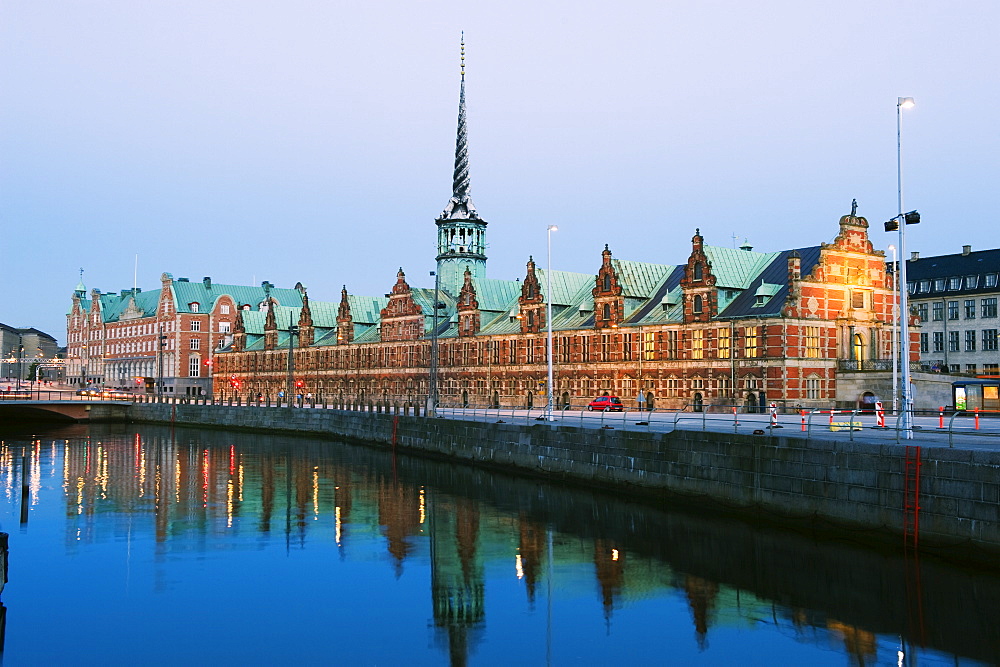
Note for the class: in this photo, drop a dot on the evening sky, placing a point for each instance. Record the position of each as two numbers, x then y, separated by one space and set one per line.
313 142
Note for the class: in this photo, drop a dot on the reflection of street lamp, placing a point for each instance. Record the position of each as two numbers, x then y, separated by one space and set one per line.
548 318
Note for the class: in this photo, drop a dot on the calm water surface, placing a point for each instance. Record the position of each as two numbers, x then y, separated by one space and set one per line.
151 546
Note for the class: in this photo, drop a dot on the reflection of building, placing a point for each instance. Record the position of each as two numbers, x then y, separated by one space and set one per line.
458 590
190 492
955 299
161 338
723 326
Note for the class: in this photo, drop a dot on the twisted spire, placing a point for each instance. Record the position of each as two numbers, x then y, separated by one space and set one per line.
460 179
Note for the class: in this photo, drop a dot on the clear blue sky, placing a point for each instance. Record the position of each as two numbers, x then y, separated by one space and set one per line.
313 141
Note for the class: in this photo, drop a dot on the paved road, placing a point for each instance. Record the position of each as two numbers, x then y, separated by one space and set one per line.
959 431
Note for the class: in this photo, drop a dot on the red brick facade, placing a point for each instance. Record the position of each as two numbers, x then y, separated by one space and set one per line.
841 310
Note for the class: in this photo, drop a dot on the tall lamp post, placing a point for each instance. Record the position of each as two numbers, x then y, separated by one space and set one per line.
895 341
293 331
548 320
432 388
898 223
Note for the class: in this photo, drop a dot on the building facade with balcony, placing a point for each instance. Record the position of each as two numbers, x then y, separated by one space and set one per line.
159 340
954 297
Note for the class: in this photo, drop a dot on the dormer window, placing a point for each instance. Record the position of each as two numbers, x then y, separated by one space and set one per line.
194 306
606 312
531 291
607 282
697 306
697 271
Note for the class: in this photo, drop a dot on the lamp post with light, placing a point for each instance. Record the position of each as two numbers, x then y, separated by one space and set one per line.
548 320
898 223
894 339
432 385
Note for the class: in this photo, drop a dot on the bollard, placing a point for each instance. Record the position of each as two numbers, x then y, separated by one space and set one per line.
977 418
879 415
941 417
832 413
774 413
736 421
803 413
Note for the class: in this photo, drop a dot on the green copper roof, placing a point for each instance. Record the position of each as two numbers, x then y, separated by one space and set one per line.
566 286
206 294
496 295
639 279
366 309
737 268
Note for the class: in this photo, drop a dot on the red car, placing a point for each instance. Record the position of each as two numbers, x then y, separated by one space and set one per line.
606 403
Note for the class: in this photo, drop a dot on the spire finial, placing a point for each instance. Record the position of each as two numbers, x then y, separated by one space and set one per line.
460 178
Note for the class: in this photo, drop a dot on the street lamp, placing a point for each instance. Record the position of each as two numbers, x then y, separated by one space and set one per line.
293 330
898 223
432 389
895 341
548 317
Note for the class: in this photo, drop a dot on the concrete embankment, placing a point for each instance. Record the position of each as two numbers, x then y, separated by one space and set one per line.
854 485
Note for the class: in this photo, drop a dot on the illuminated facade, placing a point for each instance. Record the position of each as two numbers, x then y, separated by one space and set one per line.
159 339
724 327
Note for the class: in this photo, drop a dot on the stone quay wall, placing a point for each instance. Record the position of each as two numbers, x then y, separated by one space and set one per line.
852 485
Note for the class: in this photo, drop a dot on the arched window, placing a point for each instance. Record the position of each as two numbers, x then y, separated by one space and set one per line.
531 290
697 271
606 314
697 307
607 282
858 347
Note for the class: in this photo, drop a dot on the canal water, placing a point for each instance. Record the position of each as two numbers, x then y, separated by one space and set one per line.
146 545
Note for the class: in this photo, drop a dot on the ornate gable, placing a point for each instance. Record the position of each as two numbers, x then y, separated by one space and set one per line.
402 318
853 234
306 331
270 325
698 284
239 332
132 311
609 306
345 321
531 302
468 308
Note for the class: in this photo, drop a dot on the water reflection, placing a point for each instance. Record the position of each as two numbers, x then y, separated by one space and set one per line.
491 546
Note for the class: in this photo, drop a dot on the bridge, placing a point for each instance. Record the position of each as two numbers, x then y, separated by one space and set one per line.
52 406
